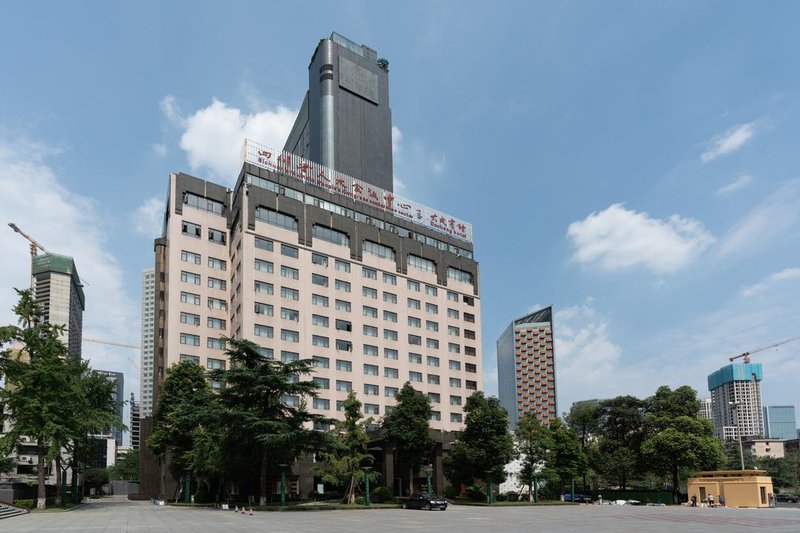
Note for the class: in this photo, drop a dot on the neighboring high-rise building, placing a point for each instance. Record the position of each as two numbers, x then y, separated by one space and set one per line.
780 422
58 289
706 412
345 122
135 423
736 400
117 396
526 369
147 337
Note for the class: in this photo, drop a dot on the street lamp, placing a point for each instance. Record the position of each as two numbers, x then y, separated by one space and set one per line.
429 471
367 499
738 430
283 484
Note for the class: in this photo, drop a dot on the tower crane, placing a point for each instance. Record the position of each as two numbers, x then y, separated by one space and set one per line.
746 355
119 345
34 245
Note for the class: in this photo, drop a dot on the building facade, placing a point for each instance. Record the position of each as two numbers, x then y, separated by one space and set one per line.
136 423
780 422
526 370
58 289
736 400
117 396
706 412
147 340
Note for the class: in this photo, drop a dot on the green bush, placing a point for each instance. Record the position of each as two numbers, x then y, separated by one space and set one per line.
511 496
25 504
475 493
500 497
381 494
451 492
359 500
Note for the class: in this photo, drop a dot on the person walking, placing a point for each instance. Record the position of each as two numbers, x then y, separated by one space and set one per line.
711 500
694 500
721 500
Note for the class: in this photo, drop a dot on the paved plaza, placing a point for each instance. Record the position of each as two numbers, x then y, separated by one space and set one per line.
119 516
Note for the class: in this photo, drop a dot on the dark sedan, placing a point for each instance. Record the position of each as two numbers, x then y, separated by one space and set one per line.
423 501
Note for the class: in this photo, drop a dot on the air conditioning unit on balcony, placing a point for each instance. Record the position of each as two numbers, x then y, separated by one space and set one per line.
25 459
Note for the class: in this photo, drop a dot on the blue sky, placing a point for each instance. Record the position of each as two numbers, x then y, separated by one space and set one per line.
635 164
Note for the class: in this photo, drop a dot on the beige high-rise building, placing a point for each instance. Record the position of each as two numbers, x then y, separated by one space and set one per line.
147 340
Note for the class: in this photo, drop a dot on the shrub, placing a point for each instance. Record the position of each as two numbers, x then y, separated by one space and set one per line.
451 492
203 496
381 494
511 496
359 500
501 497
475 493
25 504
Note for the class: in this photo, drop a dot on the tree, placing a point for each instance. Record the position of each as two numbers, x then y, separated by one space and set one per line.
584 420
565 459
126 467
621 434
345 461
406 427
733 459
532 443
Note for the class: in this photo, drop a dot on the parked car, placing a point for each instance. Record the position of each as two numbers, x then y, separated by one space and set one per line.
418 500
579 498
787 498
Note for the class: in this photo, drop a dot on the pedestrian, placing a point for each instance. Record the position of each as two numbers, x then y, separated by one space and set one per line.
694 500
600 499
711 500
721 500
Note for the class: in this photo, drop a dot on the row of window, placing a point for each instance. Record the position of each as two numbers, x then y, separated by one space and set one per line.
194 340
213 262
195 230
323 404
194 279
194 299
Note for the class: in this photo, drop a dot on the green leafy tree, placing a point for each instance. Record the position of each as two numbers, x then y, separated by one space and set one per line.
532 441
584 420
618 457
345 461
733 459
565 458
126 467
792 467
406 427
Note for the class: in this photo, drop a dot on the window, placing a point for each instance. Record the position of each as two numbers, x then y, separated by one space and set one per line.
263 331
469 300
320 341
455 400
412 285
193 230
289 357
455 383
413 304
265 266
215 283
189 277
264 244
452 313
215 323
415 377
456 417
469 334
369 273
371 390
472 368
321 404
369 293
266 353
432 308
469 317
264 287
290 294
391 279
433 361
318 299
319 259
343 325
344 386
453 331
454 365
431 291
275 218
343 286
453 348
371 370
322 383
434 397
459 275
289 272
190 340
433 379
421 264
342 266
432 343
190 298
469 350
204 203
415 340
391 373
289 335
215 364
370 311
216 236
215 344
344 366
415 358
389 297
414 322
290 251
190 257
290 314
344 346
317 279
390 334
189 318
452 296
190 358
390 353
390 392
340 405
370 350
263 309
320 362
319 320
216 303
379 250
431 326
342 305
471 385
370 331
330 235
371 409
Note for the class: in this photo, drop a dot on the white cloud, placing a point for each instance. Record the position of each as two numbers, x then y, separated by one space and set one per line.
63 222
397 140
729 141
213 136
787 274
772 220
739 183
149 217
159 149
618 238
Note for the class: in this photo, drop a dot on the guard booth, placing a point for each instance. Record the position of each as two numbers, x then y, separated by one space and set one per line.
741 488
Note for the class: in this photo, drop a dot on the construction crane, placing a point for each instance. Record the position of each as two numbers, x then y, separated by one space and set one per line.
746 355
34 244
119 345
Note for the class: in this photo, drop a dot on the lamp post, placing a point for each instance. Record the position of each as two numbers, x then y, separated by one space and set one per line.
283 484
429 471
738 430
367 499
